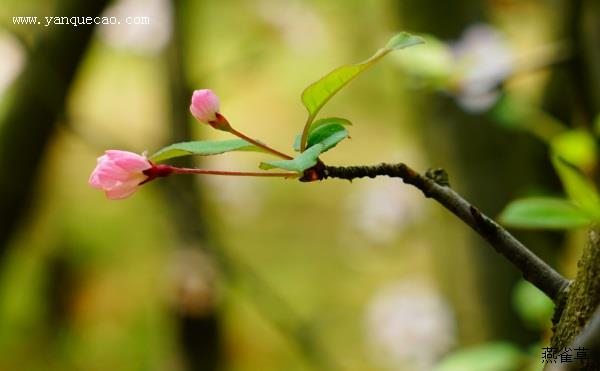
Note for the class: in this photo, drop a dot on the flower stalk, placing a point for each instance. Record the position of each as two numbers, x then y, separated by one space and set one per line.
162 170
179 170
259 144
205 107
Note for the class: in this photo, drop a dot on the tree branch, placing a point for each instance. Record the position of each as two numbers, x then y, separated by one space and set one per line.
435 185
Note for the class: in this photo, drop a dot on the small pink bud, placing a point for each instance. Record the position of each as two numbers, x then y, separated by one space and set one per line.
205 108
119 173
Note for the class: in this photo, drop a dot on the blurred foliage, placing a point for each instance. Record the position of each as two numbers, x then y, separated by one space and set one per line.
487 357
544 213
533 306
88 283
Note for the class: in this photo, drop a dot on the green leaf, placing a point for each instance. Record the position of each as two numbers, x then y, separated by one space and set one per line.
498 356
403 40
320 92
315 126
534 307
579 189
544 213
203 148
328 135
329 120
303 161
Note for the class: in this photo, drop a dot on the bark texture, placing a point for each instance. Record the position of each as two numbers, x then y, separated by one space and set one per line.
583 297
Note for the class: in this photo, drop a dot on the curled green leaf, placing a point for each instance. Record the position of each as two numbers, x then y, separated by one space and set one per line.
327 121
329 133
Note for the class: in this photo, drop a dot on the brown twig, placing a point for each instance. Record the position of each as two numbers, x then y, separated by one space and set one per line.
435 185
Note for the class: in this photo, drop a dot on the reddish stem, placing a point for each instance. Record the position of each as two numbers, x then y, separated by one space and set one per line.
178 170
162 170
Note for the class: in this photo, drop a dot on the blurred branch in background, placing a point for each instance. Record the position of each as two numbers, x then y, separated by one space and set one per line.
582 27
200 333
37 103
469 145
573 91
299 332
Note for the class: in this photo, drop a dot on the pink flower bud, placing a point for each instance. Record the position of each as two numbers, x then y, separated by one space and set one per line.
205 105
119 173
205 108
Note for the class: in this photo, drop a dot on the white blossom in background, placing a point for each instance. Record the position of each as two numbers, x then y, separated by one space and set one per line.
409 326
299 25
191 282
380 211
12 60
142 38
483 60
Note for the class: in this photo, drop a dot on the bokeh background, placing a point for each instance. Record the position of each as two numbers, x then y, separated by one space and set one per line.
219 273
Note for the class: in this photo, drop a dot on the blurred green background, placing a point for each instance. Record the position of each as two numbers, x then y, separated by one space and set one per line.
218 273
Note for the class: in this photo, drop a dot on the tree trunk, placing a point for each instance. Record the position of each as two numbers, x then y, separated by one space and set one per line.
583 297
580 77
